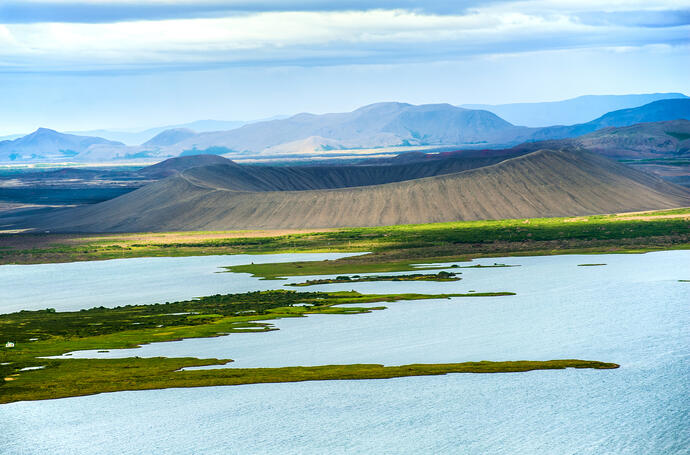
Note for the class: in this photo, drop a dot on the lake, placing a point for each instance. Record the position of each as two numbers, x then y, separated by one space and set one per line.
632 311
75 285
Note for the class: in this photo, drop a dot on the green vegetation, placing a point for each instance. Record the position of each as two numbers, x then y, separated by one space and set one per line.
589 265
78 377
212 315
480 266
440 276
401 248
663 161
679 135
370 263
396 246
47 333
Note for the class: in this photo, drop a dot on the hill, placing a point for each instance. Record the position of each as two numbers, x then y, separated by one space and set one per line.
232 177
657 140
571 111
539 184
48 144
376 125
169 137
661 148
132 137
641 141
658 111
173 166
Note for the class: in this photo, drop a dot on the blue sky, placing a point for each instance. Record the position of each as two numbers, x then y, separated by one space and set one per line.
86 64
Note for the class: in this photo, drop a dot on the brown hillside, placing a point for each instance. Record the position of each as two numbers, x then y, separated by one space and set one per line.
657 140
541 184
300 178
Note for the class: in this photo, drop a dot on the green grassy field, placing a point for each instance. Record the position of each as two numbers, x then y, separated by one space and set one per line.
637 232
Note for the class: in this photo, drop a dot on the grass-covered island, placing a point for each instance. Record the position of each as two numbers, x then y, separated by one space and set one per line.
28 375
440 276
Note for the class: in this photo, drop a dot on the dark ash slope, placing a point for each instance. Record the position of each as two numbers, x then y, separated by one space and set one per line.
540 184
231 176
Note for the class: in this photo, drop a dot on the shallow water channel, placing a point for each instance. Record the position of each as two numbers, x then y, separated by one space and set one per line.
633 311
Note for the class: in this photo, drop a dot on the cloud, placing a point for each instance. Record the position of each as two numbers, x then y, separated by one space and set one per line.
313 38
653 19
105 11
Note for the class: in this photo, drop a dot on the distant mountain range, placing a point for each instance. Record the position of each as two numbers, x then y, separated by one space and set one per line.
46 144
640 141
657 111
169 137
376 127
571 111
137 137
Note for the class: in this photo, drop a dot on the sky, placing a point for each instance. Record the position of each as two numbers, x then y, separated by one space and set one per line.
134 64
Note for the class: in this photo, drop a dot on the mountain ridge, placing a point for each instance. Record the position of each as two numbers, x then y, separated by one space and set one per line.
47 143
571 111
657 111
379 126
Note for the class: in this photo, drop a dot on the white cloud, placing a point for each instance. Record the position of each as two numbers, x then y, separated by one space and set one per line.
294 36
563 5
575 6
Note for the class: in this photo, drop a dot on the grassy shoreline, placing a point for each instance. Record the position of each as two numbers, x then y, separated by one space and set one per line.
374 263
621 233
139 374
43 337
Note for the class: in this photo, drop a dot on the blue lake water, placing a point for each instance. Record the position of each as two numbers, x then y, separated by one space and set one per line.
632 311
76 285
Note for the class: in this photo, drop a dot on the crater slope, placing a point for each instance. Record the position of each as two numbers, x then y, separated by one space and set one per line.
540 184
